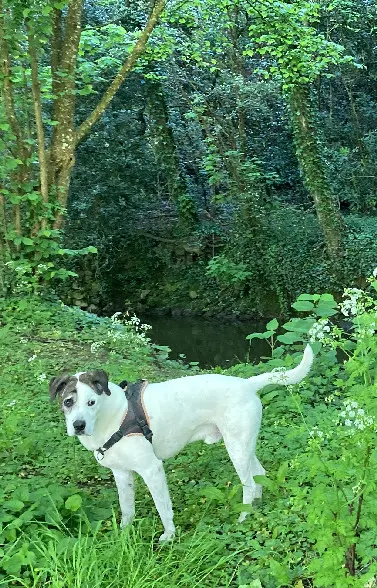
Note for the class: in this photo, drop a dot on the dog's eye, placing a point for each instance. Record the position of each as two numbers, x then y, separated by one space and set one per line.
91 402
68 402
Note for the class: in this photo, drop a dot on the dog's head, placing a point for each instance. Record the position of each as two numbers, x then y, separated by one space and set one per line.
80 399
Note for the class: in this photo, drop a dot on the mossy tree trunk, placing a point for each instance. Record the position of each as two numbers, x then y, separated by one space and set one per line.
313 169
37 164
166 154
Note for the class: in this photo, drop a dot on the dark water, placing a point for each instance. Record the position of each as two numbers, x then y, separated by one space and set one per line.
210 342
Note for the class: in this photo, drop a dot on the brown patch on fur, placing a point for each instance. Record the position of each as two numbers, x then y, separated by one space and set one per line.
62 386
97 380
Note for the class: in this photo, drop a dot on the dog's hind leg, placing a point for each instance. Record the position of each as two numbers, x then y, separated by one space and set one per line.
247 465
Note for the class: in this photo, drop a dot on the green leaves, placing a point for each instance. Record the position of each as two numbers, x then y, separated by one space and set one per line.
14 505
289 338
288 33
322 305
73 503
303 306
272 325
265 335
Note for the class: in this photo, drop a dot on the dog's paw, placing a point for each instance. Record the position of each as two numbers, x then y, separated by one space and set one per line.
126 520
242 517
167 536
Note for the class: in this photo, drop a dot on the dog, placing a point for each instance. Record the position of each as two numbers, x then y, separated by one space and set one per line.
207 407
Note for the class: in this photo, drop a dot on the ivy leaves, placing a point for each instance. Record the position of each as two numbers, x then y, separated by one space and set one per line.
287 33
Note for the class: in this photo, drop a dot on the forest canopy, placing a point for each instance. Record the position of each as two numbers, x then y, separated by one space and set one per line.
217 146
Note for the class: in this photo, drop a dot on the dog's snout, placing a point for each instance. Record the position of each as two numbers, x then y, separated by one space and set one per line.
79 426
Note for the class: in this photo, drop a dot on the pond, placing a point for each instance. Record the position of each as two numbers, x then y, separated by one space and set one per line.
210 342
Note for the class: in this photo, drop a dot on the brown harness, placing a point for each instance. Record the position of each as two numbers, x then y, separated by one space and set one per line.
135 420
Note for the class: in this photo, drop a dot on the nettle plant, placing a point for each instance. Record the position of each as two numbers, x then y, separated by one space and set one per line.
332 481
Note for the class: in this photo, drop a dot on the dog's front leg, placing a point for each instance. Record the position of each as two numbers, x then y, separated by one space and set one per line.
125 484
155 479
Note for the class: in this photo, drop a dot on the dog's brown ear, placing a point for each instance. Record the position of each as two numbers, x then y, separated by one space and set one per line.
98 380
57 385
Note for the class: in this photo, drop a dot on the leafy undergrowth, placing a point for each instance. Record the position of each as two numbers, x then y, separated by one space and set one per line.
58 518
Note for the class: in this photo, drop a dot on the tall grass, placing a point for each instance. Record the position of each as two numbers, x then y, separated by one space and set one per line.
125 559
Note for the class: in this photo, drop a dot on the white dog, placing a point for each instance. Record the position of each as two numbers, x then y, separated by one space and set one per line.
203 407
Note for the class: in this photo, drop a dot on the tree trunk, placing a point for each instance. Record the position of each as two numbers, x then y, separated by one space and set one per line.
312 166
163 143
42 156
66 137
136 52
62 150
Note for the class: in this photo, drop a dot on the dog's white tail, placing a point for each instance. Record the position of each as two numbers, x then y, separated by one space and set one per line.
286 377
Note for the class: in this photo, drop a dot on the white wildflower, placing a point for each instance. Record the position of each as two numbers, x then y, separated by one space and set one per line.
355 417
96 345
315 432
319 330
32 358
12 403
359 424
42 377
353 304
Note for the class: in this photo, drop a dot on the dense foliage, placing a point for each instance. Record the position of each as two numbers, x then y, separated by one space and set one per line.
216 154
256 119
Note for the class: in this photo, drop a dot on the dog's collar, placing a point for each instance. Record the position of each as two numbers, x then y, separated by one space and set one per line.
135 420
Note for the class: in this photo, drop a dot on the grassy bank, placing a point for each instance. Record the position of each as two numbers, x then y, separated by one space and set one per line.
60 509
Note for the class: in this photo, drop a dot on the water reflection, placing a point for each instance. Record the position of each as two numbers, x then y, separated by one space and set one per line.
210 342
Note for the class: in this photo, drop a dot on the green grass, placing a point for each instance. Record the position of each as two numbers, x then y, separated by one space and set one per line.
124 560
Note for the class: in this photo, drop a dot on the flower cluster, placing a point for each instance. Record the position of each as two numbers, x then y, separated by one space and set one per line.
96 346
355 417
134 322
319 330
354 304
315 432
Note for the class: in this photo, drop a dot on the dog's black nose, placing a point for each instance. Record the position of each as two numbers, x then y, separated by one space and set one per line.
79 426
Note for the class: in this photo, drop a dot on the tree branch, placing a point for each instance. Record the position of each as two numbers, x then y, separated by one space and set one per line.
138 49
36 92
56 47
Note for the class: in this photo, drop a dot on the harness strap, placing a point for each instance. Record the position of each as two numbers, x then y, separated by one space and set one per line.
135 420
